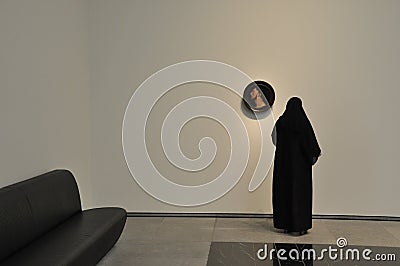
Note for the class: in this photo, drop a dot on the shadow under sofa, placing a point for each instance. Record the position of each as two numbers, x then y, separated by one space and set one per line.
42 223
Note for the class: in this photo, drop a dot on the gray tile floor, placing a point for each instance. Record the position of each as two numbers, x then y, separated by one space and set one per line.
186 241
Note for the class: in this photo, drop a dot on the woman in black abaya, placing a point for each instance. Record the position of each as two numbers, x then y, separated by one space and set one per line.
296 151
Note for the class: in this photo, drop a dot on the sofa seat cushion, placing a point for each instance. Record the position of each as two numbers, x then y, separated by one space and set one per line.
82 239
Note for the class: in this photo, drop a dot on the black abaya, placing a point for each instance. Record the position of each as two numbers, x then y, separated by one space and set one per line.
296 151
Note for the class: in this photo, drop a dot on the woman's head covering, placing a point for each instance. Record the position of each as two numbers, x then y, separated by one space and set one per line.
295 120
295 117
294 103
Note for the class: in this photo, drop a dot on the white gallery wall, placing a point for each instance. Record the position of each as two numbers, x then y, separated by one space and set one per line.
340 57
44 90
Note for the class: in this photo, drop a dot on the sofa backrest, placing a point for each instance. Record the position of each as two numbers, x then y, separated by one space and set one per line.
34 206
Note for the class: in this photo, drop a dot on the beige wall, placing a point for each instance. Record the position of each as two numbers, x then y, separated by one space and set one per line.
68 69
340 57
44 90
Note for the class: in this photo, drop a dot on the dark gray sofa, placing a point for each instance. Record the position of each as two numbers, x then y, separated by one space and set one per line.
42 223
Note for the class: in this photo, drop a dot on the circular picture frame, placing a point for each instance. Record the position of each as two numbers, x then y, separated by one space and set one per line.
259 96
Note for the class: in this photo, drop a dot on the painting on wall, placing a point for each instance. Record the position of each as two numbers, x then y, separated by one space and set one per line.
259 96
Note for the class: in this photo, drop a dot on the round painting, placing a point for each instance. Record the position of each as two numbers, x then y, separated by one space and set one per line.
259 96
